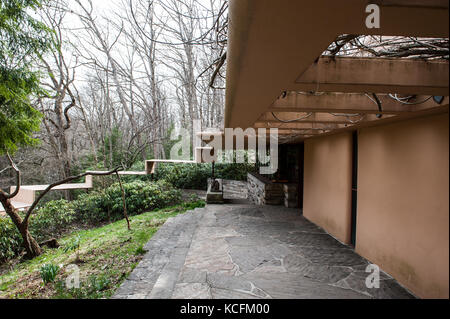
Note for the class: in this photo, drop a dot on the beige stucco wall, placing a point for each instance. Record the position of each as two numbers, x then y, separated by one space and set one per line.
403 202
327 183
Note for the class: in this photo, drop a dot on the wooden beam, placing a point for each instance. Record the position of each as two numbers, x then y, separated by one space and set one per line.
301 126
378 75
349 103
298 132
324 118
385 120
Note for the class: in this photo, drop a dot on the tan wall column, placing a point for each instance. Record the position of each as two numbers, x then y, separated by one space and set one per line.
403 202
327 183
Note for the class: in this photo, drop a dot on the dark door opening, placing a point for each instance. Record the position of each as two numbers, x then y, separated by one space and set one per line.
290 172
301 167
354 186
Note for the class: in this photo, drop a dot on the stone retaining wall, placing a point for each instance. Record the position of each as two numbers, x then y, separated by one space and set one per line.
262 191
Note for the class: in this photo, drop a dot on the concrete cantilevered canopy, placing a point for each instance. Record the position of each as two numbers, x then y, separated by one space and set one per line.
274 52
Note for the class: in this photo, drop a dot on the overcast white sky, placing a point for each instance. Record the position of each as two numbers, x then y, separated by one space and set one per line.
112 10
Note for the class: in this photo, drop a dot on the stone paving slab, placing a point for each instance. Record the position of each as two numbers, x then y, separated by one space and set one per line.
174 236
245 251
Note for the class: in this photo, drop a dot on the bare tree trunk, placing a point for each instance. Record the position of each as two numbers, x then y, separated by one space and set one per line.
30 244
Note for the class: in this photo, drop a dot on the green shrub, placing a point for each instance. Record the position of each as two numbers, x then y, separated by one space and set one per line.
234 171
48 273
10 239
52 219
140 196
89 207
57 217
194 176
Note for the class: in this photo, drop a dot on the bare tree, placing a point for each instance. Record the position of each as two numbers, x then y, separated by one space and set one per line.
61 75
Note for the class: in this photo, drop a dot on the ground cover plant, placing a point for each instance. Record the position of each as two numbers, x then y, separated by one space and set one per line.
104 257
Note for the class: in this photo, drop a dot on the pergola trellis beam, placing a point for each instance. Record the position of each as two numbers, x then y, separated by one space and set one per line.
336 93
320 127
294 131
379 75
318 117
349 103
300 125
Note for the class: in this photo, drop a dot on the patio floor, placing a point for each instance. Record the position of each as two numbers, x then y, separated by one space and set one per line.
246 251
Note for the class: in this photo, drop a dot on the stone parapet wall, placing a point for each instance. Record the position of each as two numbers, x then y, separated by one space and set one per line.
262 191
233 189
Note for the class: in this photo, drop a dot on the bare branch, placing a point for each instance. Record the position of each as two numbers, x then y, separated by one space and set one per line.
17 171
64 181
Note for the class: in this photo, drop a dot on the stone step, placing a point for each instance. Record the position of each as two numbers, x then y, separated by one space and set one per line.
164 251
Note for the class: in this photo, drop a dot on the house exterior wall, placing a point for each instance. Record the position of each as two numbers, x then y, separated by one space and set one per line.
327 183
403 202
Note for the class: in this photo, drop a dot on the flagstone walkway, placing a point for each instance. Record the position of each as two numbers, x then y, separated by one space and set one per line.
246 251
